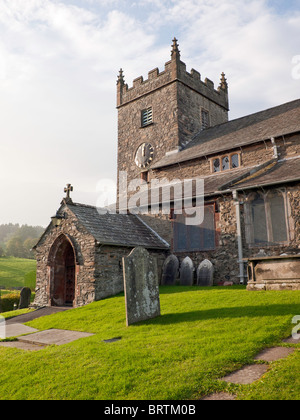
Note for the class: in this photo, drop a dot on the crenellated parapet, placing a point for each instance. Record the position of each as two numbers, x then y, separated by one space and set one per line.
174 71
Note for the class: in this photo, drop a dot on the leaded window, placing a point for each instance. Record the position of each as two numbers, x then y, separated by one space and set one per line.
226 162
267 219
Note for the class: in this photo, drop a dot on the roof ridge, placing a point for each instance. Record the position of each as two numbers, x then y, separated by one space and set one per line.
82 205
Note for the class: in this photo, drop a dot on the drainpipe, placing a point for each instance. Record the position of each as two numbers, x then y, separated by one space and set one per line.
239 235
275 148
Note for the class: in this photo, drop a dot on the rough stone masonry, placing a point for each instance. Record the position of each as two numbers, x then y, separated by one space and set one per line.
141 286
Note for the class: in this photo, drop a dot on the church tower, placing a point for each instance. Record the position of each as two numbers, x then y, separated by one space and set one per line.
161 115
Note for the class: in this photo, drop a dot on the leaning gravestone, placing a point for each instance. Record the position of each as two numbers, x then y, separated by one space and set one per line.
141 286
170 270
25 298
187 272
205 274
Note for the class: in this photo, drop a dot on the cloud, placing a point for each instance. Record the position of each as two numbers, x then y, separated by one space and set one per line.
250 41
58 67
58 71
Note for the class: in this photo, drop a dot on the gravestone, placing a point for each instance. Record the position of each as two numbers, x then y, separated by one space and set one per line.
25 296
170 270
187 272
2 328
141 286
205 274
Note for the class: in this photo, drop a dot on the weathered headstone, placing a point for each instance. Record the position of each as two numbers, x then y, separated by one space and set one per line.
187 272
205 274
2 328
170 270
141 286
25 298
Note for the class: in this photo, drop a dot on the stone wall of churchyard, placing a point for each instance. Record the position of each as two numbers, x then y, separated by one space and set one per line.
84 243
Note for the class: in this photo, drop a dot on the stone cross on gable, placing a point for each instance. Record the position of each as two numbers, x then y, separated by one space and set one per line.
68 190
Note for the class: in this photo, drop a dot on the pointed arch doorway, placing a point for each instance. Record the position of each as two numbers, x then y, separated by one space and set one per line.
62 272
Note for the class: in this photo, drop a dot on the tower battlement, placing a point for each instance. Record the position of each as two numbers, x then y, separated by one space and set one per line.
175 70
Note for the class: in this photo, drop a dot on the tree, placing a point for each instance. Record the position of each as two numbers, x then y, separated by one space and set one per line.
19 240
28 245
15 248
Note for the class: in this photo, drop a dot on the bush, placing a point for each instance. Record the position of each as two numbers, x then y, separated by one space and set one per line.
8 301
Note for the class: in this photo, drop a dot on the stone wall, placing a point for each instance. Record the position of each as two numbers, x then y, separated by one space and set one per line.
109 269
190 105
162 134
99 271
225 255
84 244
177 98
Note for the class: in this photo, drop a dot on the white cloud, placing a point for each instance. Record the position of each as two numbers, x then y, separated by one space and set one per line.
247 40
58 68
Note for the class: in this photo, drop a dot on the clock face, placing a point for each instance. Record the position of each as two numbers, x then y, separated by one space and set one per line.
144 155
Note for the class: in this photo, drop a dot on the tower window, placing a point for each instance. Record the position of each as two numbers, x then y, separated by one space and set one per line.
147 117
204 119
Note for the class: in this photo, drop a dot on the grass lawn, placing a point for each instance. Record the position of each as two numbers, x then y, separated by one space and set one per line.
17 272
202 335
12 314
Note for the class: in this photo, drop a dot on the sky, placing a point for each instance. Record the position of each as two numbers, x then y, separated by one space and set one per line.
59 62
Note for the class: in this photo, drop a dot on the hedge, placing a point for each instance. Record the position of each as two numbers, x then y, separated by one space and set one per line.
7 302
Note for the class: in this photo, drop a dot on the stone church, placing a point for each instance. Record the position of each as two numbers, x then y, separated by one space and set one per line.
172 127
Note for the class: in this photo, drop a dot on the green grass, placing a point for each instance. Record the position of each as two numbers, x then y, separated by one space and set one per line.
12 314
202 335
17 272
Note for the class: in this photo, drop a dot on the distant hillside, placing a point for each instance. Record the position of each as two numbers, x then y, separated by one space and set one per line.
17 241
17 273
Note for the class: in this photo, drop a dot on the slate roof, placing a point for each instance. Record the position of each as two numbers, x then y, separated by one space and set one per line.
282 172
117 229
274 122
273 172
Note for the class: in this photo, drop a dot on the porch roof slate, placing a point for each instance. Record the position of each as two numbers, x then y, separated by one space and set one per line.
117 229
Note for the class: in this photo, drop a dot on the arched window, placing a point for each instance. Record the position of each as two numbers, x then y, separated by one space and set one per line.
259 220
267 218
